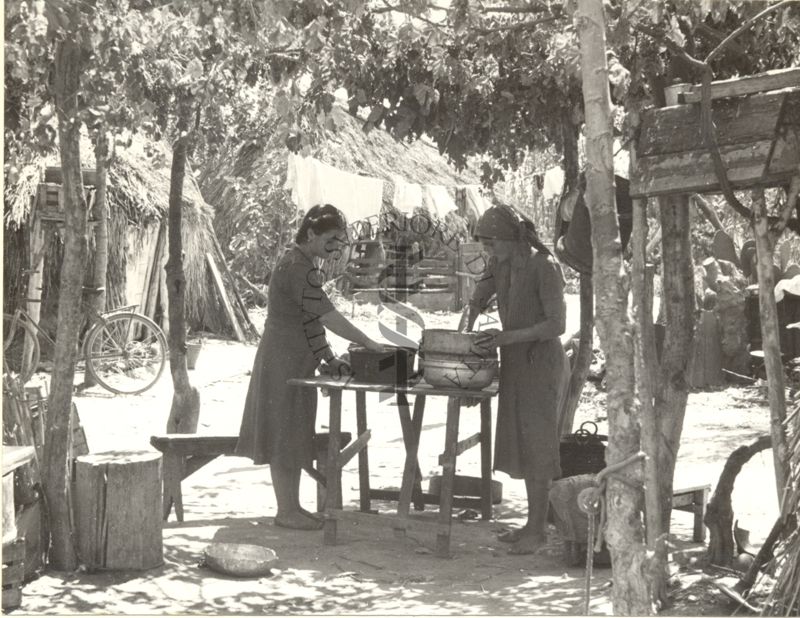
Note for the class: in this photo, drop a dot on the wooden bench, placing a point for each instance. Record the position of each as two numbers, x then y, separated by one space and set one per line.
184 454
693 500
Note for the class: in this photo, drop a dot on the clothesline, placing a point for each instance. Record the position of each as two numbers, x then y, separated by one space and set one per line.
313 182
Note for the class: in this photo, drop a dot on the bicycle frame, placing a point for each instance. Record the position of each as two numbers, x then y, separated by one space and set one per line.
97 319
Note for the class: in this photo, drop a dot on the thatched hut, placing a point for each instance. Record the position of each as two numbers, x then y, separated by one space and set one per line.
138 199
246 186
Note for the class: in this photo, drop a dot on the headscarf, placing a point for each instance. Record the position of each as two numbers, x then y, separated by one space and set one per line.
500 222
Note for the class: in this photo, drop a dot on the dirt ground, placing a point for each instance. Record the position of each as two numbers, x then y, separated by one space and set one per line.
370 571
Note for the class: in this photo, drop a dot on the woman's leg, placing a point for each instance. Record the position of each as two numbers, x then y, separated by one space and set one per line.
286 483
533 534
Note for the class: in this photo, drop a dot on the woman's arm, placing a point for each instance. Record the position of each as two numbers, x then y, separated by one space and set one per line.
481 295
343 327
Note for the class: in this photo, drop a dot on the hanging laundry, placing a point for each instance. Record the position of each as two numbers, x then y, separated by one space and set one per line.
553 182
407 196
476 204
438 200
314 182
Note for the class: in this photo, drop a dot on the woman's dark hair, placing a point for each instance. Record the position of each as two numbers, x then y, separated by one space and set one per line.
320 219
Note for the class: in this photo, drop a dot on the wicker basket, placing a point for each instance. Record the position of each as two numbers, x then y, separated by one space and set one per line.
583 452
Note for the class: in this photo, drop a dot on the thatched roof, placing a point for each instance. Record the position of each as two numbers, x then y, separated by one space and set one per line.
348 148
138 182
138 198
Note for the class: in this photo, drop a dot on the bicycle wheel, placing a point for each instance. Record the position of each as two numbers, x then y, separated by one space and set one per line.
126 353
20 347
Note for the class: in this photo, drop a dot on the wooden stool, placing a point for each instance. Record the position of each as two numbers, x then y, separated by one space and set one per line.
186 453
118 510
693 500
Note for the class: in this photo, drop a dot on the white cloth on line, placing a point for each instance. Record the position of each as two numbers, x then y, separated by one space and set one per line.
475 202
313 182
438 200
407 196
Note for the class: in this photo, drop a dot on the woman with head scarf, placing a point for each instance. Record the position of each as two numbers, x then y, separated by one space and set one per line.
278 423
533 367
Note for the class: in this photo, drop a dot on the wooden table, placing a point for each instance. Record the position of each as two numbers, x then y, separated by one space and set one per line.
411 426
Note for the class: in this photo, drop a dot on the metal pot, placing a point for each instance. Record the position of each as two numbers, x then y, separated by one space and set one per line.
472 374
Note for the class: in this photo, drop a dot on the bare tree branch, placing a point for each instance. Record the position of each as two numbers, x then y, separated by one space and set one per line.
523 25
720 48
531 8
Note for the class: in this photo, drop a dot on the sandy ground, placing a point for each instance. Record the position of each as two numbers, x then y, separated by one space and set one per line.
370 571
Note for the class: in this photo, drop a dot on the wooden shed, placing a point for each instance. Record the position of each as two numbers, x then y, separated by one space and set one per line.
757 120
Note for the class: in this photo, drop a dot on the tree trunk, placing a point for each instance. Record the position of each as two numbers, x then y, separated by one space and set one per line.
719 513
100 216
770 338
672 387
644 362
583 358
632 585
185 410
57 468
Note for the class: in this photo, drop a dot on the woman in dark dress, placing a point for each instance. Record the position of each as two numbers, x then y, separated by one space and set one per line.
534 371
278 423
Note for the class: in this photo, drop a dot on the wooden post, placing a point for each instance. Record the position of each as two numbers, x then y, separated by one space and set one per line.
117 498
448 476
334 476
770 336
363 456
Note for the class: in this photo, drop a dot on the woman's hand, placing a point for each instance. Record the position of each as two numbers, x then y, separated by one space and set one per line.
339 368
487 341
374 346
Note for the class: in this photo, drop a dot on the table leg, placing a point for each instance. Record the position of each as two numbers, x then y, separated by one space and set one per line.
334 480
448 475
411 467
363 459
486 458
407 427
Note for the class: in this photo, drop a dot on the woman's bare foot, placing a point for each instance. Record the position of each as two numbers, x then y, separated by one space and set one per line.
528 543
296 520
317 516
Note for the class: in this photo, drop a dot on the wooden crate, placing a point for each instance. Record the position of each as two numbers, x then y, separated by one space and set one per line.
13 573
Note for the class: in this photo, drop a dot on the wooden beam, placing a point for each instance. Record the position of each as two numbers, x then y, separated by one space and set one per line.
750 84
223 294
464 445
691 172
354 448
192 444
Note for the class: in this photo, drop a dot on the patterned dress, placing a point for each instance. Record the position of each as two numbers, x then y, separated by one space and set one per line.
279 419
533 375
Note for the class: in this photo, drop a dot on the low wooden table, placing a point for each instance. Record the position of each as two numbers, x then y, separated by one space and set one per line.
411 427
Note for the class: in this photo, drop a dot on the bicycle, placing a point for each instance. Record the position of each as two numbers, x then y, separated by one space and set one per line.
124 352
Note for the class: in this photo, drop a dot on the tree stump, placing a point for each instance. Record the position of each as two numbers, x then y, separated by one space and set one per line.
117 501
719 513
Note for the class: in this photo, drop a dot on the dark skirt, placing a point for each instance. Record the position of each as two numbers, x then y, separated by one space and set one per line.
279 420
533 381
